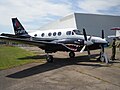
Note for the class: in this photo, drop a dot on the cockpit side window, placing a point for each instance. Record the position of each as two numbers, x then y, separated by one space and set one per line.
77 32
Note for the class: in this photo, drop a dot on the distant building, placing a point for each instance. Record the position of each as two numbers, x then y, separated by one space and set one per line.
93 23
2 42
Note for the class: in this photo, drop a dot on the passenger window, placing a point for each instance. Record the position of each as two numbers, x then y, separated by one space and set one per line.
68 33
49 34
35 35
42 34
54 34
59 33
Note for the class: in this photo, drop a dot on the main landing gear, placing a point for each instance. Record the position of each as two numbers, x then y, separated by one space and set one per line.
71 54
49 58
103 56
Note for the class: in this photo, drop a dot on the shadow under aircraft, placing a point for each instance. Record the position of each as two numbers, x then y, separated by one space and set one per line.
58 63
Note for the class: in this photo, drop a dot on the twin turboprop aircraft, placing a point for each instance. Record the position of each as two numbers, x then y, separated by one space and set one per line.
69 40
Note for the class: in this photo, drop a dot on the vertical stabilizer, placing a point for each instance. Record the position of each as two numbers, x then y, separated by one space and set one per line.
18 28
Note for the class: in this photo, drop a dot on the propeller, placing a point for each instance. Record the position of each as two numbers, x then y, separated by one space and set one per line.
87 42
84 33
102 34
102 46
103 56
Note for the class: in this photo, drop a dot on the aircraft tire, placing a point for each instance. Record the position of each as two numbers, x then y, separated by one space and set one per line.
71 54
49 58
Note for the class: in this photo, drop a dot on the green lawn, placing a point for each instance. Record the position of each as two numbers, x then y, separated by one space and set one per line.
10 57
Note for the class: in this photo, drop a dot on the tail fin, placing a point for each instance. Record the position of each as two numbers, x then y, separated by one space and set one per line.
18 28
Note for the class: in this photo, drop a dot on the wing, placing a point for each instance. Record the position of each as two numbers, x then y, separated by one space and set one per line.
50 46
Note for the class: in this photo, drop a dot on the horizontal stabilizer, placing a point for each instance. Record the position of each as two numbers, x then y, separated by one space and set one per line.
15 36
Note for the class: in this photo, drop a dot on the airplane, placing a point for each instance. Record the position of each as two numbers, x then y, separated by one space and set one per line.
68 40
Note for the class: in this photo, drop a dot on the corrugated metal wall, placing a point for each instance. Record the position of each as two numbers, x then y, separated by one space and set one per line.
91 22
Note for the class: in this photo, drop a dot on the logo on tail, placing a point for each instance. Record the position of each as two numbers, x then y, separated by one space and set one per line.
18 28
17 25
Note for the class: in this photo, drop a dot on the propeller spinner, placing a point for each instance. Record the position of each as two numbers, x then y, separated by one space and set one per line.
87 42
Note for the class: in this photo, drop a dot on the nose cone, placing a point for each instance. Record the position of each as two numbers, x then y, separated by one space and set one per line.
104 41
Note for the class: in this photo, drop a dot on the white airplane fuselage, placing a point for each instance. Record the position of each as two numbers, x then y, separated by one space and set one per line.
58 34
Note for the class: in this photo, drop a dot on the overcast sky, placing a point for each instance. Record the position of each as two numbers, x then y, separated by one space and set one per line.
35 13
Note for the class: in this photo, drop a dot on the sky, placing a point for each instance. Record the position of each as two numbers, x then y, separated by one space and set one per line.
35 13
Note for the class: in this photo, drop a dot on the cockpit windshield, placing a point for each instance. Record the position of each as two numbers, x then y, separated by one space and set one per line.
77 32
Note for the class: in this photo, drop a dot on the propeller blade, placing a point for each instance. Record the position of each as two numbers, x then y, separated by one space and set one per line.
83 49
102 46
84 33
86 42
102 34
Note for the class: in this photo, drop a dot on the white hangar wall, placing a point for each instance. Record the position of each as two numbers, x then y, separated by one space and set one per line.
65 22
93 23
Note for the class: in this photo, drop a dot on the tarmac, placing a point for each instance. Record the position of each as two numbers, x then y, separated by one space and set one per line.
80 73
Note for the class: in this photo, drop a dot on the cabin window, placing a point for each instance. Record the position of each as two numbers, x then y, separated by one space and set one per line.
49 34
68 33
54 34
35 35
59 33
42 34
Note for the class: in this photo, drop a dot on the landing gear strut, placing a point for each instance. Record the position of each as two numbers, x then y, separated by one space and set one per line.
71 54
49 58
103 56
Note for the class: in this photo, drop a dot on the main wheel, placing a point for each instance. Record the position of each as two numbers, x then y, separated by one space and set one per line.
102 57
71 54
49 58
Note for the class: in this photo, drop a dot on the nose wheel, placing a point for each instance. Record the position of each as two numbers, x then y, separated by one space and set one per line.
71 54
49 58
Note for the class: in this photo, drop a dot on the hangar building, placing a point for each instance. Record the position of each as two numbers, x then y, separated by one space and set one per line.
93 23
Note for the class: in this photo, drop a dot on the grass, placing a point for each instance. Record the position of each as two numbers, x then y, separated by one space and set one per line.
10 57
